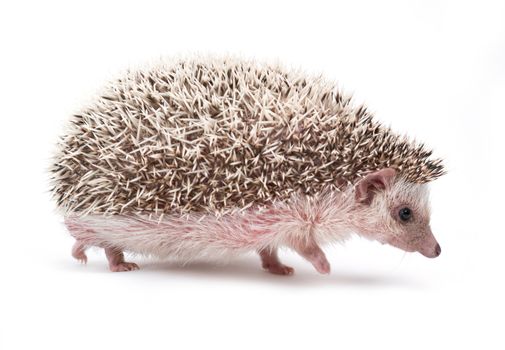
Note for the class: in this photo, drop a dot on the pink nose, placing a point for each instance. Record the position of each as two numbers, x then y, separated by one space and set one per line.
438 250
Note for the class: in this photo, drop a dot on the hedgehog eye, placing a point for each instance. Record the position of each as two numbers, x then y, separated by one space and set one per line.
405 214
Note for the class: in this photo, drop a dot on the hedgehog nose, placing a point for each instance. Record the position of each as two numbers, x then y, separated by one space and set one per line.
438 250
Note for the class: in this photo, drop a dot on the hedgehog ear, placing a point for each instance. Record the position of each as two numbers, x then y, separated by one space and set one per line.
374 182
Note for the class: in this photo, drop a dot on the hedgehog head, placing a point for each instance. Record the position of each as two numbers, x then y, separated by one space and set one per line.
395 211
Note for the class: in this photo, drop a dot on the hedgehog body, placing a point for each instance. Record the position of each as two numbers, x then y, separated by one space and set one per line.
228 155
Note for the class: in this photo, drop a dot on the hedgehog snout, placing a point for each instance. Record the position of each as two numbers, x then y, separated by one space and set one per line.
429 247
438 250
433 252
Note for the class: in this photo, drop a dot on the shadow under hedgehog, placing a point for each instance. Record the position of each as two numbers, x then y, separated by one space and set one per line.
207 158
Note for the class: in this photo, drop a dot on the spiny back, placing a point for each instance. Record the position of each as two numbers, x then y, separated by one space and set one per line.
219 134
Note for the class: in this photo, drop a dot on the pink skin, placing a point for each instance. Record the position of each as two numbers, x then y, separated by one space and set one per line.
270 262
78 251
314 254
310 251
86 237
116 261
114 256
269 258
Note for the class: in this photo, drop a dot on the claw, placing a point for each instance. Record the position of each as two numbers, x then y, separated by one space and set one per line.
123 266
270 262
280 269
78 252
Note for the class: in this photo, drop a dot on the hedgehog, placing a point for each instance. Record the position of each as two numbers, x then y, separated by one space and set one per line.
210 158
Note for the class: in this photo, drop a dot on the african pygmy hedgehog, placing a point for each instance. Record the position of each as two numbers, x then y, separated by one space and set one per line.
205 158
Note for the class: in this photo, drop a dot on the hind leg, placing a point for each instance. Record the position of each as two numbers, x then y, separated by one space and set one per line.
116 261
270 262
78 251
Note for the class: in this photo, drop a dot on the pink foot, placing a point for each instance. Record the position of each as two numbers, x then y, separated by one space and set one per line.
271 263
116 261
279 269
78 252
322 266
124 266
315 256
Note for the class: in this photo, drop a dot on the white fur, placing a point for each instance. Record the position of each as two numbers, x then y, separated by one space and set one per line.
377 221
329 217
207 236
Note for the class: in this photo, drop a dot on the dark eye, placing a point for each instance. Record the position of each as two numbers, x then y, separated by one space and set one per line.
405 214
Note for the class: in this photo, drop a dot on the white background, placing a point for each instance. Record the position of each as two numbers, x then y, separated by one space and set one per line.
432 69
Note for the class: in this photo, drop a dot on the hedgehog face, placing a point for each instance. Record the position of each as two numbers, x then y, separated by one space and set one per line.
394 211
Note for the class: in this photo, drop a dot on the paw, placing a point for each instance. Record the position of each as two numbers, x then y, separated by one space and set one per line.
124 266
80 256
279 269
322 266
78 252
82 259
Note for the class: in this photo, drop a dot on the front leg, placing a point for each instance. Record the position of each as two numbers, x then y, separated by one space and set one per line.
315 255
270 262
